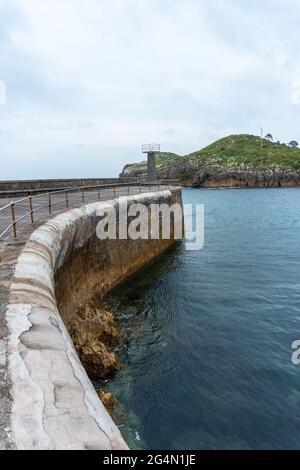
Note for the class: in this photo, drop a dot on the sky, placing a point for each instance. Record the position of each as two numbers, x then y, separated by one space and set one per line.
87 82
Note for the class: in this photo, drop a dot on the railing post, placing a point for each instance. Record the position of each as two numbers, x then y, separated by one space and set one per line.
13 216
98 194
49 203
31 208
114 193
128 190
82 194
67 201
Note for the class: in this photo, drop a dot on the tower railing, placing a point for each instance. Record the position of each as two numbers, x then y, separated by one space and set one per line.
151 148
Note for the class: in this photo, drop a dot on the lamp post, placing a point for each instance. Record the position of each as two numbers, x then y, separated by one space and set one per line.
261 137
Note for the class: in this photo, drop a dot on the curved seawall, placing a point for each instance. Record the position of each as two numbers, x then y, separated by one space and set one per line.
63 268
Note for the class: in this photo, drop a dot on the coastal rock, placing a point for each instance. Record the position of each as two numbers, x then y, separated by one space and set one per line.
241 178
98 362
108 400
219 176
94 332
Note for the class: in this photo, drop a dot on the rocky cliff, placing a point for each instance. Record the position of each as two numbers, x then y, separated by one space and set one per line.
235 161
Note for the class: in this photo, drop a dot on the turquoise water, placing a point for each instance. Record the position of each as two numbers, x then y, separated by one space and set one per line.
207 355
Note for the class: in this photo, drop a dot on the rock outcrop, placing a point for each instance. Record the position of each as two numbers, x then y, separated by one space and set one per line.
235 161
245 178
94 334
108 400
192 174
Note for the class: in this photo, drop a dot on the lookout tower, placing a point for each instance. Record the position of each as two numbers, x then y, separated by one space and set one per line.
152 150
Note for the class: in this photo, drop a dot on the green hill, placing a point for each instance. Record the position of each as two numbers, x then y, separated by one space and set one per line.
236 160
245 150
237 151
242 150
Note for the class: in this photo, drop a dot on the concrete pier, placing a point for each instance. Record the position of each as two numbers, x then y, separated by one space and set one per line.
46 398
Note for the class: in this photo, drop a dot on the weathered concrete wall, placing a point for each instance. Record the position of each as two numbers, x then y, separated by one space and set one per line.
53 403
100 264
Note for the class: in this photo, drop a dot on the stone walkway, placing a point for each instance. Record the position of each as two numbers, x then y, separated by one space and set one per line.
58 202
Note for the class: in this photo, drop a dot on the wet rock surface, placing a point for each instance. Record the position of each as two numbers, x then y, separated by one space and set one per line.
108 400
94 334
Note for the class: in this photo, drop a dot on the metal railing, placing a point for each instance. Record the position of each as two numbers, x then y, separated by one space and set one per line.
151 148
49 203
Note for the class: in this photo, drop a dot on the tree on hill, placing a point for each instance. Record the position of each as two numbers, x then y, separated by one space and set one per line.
269 137
293 144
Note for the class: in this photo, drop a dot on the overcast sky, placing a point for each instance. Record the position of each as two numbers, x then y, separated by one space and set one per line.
89 81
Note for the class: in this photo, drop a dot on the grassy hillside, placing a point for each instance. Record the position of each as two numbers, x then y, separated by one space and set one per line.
246 150
236 151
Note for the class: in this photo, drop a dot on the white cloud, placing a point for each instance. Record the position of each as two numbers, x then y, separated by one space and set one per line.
112 75
296 92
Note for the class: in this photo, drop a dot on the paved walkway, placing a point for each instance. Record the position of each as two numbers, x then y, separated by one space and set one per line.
58 202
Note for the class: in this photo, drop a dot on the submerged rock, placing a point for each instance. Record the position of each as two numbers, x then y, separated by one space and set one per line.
98 362
108 400
94 332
